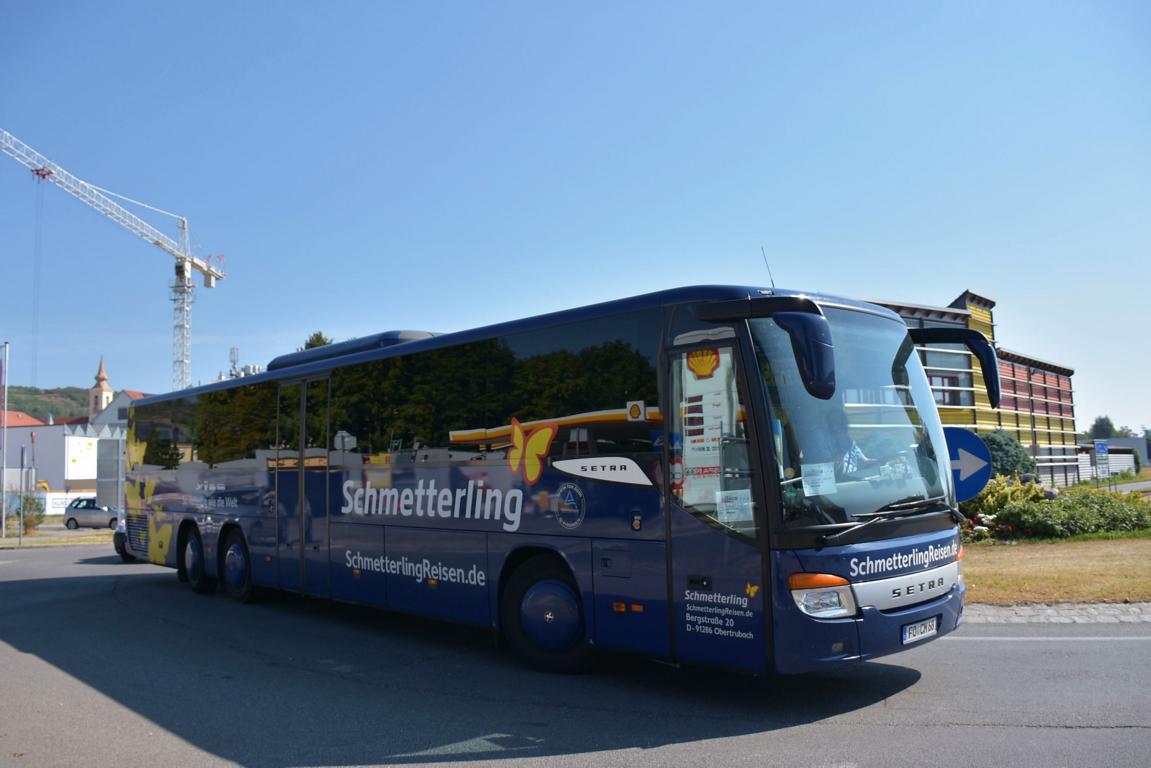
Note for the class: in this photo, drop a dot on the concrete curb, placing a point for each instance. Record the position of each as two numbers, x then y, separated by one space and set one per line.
1058 613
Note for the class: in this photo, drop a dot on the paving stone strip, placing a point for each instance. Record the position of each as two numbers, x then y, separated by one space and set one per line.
1059 613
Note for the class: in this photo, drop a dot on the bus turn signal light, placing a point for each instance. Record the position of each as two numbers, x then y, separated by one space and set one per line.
815 581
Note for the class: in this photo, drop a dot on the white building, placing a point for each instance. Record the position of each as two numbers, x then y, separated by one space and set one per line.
72 457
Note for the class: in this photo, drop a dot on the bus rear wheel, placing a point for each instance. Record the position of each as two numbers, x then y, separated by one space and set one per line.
542 616
237 567
192 559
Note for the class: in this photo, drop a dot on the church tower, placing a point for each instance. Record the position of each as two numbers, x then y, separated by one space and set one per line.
100 395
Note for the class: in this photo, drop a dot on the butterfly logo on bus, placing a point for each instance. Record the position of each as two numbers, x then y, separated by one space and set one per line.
530 449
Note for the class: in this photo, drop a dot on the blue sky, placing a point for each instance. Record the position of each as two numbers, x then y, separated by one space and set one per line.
368 166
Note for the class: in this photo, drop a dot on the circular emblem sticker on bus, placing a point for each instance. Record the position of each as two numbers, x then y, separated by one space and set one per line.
570 506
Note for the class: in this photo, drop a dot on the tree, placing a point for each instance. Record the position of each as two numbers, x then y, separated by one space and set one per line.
1008 456
32 507
317 339
1102 429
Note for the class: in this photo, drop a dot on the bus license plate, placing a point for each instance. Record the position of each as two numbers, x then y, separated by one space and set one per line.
920 630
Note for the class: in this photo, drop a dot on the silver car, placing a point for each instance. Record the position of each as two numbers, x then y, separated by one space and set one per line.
85 512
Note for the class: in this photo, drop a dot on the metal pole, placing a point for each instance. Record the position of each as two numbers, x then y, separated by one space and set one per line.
4 452
23 493
21 507
120 505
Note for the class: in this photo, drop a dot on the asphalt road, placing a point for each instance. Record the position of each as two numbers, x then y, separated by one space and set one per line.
1141 487
103 663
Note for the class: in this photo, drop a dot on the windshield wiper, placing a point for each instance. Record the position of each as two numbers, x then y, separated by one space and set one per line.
826 539
891 511
903 507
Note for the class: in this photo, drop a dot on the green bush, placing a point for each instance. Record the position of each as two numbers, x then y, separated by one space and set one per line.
1008 456
997 494
1072 513
33 508
981 514
1008 509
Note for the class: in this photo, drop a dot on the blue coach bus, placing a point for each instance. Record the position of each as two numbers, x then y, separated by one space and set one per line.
733 477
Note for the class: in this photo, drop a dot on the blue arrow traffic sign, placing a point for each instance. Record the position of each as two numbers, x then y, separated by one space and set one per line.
970 462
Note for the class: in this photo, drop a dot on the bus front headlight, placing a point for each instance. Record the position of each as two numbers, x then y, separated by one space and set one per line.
822 595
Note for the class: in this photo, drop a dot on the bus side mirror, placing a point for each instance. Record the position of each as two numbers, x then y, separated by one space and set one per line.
976 342
813 349
804 322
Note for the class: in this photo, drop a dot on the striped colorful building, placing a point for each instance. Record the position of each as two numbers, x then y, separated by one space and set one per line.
1037 404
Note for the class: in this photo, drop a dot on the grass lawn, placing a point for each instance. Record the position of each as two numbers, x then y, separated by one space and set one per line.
1099 571
1143 476
39 538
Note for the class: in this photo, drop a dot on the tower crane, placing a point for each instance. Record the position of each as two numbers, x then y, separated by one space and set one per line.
181 288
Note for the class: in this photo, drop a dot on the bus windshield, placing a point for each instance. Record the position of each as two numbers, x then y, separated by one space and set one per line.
875 443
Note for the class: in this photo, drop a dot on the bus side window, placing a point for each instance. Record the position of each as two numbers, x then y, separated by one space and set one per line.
712 474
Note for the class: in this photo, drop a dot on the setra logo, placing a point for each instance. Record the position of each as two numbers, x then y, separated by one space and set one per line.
610 469
909 590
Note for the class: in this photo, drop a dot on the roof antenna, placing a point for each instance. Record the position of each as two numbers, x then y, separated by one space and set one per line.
769 277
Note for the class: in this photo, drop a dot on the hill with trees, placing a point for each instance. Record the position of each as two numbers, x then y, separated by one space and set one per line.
59 403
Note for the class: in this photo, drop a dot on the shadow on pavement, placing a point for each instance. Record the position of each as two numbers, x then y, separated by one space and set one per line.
295 681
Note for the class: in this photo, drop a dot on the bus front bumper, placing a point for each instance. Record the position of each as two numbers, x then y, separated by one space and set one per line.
818 644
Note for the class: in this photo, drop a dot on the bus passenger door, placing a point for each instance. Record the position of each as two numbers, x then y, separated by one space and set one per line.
302 487
718 593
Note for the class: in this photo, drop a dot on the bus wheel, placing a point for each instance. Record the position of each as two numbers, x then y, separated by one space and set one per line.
542 617
237 567
121 547
192 557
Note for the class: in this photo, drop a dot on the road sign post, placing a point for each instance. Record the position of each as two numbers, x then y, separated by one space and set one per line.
1102 462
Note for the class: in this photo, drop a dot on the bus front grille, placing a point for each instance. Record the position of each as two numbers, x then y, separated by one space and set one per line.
136 527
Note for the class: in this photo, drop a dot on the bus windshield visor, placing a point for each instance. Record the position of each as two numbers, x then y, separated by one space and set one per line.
876 444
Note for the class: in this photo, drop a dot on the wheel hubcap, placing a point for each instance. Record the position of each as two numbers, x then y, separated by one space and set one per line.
550 615
235 566
192 558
